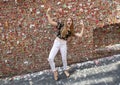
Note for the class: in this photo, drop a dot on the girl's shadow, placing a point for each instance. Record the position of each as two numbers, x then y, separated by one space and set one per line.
70 70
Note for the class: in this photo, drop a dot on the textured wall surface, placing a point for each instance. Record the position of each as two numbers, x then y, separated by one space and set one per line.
26 37
106 40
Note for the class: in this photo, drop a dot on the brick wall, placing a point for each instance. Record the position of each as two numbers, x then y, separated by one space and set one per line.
26 37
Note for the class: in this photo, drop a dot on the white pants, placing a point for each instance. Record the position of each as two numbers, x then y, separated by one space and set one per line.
61 45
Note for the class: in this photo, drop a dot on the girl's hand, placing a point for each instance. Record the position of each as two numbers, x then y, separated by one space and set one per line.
81 33
81 23
78 35
48 10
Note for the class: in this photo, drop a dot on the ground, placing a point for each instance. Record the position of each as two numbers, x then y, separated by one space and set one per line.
104 71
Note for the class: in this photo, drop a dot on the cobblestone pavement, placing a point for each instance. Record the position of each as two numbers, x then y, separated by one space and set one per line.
105 71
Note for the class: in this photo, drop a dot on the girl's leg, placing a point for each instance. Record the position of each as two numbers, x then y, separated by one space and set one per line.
52 55
63 51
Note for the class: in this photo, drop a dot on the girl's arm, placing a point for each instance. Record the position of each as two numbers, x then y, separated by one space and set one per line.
50 19
80 34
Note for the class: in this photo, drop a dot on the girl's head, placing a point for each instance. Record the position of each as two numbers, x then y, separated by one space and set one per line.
69 22
68 26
